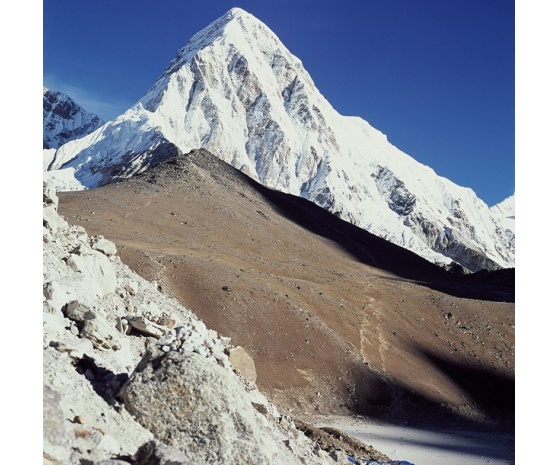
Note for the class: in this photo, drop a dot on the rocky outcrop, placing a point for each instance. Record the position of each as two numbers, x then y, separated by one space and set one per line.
131 376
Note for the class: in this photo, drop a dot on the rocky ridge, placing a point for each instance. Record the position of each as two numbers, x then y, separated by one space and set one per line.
131 376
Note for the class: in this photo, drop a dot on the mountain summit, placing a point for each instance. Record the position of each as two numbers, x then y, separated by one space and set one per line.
236 91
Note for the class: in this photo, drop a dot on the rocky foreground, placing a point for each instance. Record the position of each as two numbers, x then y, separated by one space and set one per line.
131 376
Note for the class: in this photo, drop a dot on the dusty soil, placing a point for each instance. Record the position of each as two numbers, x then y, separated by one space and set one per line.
336 320
331 439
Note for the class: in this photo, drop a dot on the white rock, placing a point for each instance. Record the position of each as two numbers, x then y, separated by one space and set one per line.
146 326
57 294
103 245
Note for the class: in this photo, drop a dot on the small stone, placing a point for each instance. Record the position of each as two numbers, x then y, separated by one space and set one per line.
78 312
284 422
291 445
260 408
131 287
79 420
338 456
156 452
147 327
317 450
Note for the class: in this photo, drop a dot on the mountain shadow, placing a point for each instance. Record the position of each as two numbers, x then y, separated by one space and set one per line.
373 251
362 245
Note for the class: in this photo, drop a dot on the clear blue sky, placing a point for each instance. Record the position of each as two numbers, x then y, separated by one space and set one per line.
436 76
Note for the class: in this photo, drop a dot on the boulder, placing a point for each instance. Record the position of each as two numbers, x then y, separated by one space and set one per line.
103 245
146 327
78 312
192 403
243 363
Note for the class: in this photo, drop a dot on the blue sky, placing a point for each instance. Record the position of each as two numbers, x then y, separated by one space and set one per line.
436 76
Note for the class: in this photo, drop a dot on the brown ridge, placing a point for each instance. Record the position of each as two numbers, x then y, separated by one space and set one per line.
336 319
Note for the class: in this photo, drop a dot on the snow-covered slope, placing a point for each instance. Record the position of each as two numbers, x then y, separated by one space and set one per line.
505 211
236 91
64 119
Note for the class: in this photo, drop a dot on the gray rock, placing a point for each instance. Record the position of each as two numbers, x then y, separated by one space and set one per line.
54 430
147 327
78 312
157 453
197 406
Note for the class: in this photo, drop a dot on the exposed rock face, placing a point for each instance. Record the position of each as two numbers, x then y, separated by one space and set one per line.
64 119
179 388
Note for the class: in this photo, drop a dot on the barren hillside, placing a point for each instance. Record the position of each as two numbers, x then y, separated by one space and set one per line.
336 320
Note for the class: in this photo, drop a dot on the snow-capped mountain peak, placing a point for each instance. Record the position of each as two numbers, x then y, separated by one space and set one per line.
236 91
236 22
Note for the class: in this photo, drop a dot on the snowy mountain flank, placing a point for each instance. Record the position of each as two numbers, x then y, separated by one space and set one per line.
505 211
64 120
236 91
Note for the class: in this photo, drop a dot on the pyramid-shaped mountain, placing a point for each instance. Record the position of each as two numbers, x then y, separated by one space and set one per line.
236 91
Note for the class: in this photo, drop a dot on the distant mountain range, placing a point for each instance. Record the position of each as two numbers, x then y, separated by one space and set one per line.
64 120
236 91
